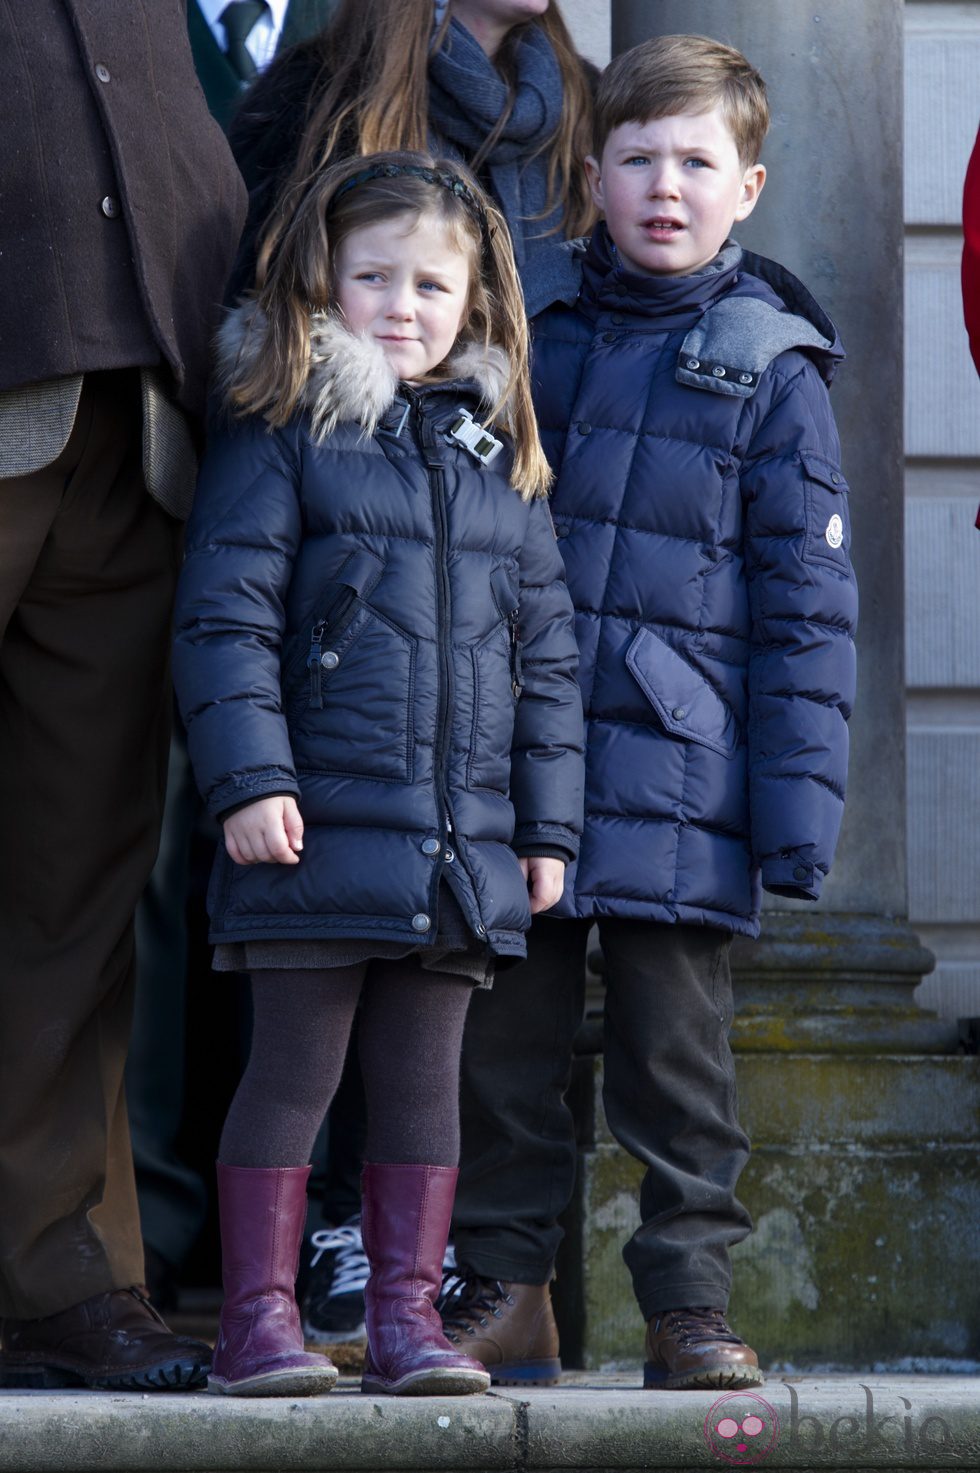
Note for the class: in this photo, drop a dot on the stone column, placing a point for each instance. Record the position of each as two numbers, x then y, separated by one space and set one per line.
855 1176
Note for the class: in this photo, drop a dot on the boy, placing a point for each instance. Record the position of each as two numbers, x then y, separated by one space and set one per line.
681 388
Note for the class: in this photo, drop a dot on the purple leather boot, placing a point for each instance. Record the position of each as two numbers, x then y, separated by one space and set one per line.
405 1217
260 1339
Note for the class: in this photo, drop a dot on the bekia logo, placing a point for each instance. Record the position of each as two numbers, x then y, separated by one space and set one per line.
741 1428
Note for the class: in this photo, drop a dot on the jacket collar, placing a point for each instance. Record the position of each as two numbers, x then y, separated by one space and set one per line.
349 379
662 302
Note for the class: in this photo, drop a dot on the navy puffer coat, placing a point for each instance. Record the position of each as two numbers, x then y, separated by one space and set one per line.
702 515
355 621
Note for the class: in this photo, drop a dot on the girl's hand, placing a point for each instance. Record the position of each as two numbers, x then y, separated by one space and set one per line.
268 831
545 881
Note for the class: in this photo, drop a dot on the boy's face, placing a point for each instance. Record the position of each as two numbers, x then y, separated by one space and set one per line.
671 189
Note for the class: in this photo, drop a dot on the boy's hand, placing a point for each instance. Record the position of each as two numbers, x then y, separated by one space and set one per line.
545 881
268 831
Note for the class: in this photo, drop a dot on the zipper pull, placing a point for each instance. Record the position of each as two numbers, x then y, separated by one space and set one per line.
517 684
314 667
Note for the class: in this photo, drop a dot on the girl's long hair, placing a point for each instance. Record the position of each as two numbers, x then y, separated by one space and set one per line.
295 278
372 95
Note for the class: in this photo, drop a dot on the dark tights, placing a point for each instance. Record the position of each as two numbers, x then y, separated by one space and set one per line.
410 1036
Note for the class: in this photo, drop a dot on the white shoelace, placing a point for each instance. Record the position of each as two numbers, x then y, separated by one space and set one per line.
351 1269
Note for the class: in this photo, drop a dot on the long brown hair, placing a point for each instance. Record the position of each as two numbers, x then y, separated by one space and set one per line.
372 95
295 278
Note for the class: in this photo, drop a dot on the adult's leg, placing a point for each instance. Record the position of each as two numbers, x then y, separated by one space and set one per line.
670 1100
517 1170
172 1196
88 563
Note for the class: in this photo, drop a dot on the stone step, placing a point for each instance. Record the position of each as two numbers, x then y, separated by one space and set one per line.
589 1422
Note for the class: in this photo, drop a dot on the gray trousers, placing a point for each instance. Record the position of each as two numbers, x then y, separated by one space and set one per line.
669 1097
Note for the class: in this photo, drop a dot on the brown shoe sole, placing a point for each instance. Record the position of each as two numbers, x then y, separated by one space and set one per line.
708 1378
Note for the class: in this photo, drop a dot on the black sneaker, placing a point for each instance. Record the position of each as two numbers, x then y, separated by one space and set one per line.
333 1304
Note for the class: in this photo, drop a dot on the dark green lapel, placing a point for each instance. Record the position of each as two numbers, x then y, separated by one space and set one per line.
304 18
222 88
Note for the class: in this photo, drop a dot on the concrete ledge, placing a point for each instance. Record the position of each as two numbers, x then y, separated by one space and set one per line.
592 1422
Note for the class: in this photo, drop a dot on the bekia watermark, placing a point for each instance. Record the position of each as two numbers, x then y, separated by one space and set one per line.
743 1429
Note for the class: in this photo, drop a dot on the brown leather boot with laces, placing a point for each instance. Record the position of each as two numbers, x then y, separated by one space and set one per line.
509 1328
697 1350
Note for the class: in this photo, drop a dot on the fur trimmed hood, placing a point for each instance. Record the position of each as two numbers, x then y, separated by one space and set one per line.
349 377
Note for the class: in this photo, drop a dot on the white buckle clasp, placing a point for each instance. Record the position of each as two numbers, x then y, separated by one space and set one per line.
474 438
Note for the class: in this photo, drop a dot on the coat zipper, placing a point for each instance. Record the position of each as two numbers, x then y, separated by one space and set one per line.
437 487
314 666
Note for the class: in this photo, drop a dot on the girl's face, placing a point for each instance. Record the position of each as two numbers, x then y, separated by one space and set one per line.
404 282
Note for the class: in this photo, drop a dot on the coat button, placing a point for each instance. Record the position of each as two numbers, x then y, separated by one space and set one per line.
102 72
431 846
800 873
678 713
609 337
421 922
330 659
562 531
583 427
110 207
835 478
745 378
481 929
693 363
718 371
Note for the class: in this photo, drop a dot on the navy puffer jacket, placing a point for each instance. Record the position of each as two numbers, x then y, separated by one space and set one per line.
355 621
702 515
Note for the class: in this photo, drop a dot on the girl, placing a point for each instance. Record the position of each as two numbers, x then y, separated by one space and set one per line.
494 83
376 665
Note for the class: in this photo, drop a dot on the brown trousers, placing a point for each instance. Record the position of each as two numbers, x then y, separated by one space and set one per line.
88 564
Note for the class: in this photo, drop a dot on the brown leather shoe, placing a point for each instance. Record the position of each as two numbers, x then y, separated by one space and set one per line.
509 1328
696 1350
111 1342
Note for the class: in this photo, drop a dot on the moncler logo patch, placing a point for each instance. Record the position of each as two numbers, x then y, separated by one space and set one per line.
835 531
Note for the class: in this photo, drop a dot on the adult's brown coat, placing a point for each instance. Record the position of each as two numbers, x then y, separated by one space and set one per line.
120 204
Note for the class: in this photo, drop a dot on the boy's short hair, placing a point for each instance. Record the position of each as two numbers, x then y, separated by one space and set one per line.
684 74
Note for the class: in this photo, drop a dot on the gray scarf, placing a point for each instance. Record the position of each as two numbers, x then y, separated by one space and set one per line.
467 96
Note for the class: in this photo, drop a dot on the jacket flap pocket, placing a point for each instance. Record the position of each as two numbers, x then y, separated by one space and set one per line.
828 531
824 471
684 701
361 571
503 593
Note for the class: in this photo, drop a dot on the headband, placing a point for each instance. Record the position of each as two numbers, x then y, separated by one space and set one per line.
452 182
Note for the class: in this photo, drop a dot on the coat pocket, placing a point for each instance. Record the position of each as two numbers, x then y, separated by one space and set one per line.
686 705
351 708
828 522
496 690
